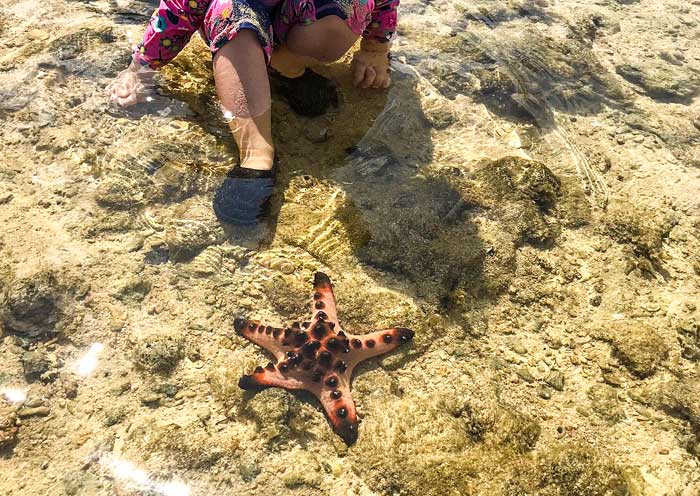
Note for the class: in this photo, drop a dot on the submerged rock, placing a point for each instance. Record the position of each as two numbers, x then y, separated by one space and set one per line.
428 444
191 228
80 42
301 468
121 191
36 304
456 235
208 263
639 347
605 402
158 351
287 294
643 229
661 81
132 289
570 470
189 446
34 364
677 398
270 411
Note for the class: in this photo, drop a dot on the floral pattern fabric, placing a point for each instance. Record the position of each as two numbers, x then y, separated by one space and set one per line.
174 22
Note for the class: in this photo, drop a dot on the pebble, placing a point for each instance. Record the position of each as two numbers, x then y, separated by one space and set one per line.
524 374
33 402
41 411
612 378
544 392
596 300
151 399
287 268
121 388
498 363
320 136
117 320
34 363
135 242
38 34
169 390
204 414
282 265
6 198
555 378
519 348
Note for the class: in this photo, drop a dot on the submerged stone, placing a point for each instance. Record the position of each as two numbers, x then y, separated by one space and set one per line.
34 305
158 351
639 347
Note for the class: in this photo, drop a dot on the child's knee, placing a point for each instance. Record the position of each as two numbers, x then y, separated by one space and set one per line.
326 40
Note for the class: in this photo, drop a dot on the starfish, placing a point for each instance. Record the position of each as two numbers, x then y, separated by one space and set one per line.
318 356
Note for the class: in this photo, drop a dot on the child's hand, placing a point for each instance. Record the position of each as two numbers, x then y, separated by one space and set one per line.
131 86
370 65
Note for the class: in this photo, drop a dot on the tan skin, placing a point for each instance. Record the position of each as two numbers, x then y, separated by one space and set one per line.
240 73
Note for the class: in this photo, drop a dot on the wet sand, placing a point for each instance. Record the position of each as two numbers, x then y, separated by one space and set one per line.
524 197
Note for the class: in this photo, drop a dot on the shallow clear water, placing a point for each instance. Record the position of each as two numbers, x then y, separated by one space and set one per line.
523 197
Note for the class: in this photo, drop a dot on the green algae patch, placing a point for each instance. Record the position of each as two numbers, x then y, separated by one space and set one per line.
190 446
158 351
569 470
439 445
640 228
288 295
269 409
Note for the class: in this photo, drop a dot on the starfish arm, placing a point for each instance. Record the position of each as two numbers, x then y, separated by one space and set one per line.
340 409
276 340
270 376
376 343
323 300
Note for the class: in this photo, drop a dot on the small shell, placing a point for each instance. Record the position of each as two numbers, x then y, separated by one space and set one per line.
282 265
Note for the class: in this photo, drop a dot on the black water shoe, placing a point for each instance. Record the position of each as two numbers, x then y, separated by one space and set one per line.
244 196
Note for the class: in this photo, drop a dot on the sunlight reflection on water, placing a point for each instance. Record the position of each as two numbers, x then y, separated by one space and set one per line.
14 395
129 474
88 362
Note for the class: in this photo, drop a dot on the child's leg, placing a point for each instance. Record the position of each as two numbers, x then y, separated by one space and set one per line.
239 35
240 72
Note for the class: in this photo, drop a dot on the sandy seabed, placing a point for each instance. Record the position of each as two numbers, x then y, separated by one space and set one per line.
525 197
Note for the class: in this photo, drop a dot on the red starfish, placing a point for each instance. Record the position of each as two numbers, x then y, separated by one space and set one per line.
318 357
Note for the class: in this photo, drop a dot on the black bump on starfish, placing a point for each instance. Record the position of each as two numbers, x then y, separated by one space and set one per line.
324 358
